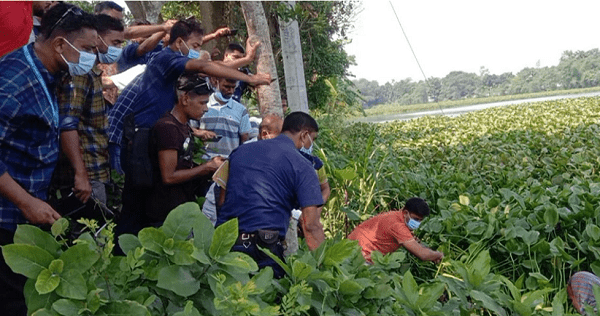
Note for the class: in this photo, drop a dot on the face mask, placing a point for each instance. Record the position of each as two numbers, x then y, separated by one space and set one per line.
413 224
111 56
192 53
310 149
219 95
85 64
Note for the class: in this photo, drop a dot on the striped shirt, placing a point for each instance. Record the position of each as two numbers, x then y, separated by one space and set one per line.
82 107
28 129
581 291
230 121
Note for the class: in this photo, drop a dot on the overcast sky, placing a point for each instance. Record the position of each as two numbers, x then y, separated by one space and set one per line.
503 36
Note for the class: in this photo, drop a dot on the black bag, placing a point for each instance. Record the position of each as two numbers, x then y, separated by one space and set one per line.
140 165
267 238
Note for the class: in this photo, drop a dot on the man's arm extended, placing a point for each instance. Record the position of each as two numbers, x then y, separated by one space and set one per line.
136 31
34 210
216 70
69 143
423 252
312 227
149 44
167 161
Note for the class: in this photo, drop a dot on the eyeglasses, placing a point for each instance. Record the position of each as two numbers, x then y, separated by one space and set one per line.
194 85
75 10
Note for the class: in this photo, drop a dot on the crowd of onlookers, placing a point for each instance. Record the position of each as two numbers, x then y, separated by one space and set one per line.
83 96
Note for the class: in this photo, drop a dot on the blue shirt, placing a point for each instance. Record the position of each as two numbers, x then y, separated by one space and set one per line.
230 121
150 95
266 179
28 129
129 57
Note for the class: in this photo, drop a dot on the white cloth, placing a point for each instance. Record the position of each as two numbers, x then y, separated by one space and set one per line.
123 79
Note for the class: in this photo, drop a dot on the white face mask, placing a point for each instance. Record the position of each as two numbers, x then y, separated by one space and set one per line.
307 150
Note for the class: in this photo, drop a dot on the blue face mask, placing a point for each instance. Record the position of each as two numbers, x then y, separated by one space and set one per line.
85 64
192 53
310 149
413 224
220 95
111 56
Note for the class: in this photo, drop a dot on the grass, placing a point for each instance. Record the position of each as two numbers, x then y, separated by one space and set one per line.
380 111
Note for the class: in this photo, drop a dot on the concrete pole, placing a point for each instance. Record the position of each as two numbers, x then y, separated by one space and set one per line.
293 64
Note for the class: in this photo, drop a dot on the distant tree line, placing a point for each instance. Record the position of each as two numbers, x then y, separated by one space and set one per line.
580 69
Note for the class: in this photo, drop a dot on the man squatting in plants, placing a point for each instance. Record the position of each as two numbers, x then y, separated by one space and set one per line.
266 180
389 231
581 290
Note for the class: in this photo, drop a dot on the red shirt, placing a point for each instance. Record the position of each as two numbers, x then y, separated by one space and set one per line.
16 23
385 232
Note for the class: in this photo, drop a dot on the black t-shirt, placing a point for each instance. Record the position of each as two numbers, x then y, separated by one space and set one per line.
168 133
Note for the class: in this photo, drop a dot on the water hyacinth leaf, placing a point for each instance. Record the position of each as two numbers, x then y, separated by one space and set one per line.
72 285
531 237
129 242
224 238
32 235
152 239
79 258
27 260
59 227
46 282
178 224
593 231
178 279
551 217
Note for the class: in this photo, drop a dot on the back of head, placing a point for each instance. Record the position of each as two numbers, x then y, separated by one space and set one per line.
105 23
270 125
235 47
64 20
192 82
417 206
299 121
185 28
107 5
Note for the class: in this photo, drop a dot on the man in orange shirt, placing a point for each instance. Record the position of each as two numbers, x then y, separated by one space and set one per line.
389 231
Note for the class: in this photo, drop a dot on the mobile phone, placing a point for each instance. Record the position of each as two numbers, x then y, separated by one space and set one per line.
216 139
232 32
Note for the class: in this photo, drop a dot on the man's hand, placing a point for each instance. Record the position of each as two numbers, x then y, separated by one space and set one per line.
260 79
251 48
203 134
215 163
440 257
168 25
82 188
224 31
37 211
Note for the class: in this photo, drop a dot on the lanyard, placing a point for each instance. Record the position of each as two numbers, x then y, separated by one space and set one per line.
53 103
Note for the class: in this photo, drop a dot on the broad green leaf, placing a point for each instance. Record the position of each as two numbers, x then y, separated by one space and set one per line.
593 231
72 285
152 239
551 217
481 264
203 233
352 214
32 235
464 200
346 174
301 270
123 308
36 300
179 280
487 302
241 261
79 258
43 312
178 224
27 260
410 289
263 278
200 256
339 252
67 307
59 227
350 287
128 242
56 266
47 282
224 238
431 294
182 253
531 237
189 310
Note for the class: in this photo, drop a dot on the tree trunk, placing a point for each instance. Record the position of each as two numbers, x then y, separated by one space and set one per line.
269 97
146 10
293 65
213 17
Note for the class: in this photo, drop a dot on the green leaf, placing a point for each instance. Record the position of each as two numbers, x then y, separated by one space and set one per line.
241 261
263 278
487 302
43 312
346 174
531 237
464 200
410 289
593 231
129 242
67 307
36 300
200 256
179 280
27 260
224 238
56 266
189 310
72 285
203 233
182 253
47 282
301 270
339 252
79 258
178 224
32 235
350 287
152 239
123 308
551 217
59 227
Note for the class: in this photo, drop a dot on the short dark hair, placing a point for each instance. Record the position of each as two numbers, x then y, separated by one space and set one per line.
106 23
298 121
195 83
417 206
107 5
235 46
60 22
185 28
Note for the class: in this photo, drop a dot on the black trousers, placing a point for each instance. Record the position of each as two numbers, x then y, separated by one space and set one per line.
12 301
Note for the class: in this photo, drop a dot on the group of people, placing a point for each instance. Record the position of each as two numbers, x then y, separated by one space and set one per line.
65 123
